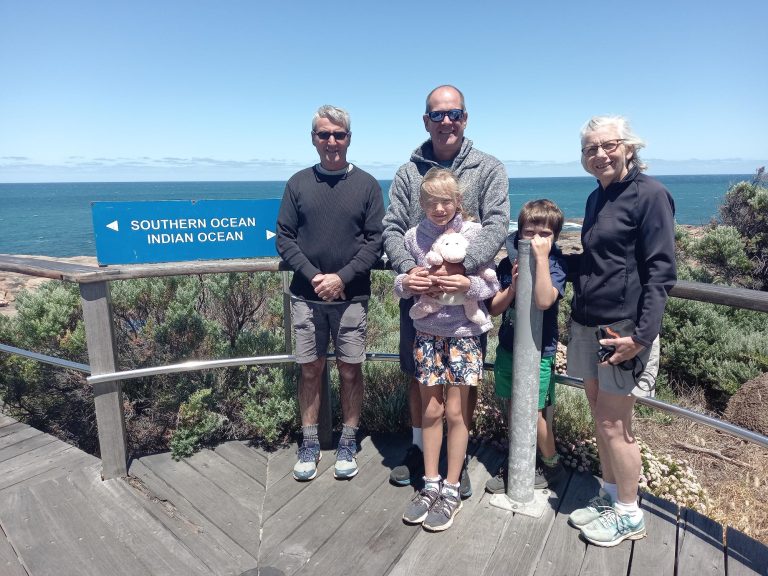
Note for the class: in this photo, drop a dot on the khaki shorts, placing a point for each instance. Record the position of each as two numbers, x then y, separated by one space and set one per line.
583 363
315 324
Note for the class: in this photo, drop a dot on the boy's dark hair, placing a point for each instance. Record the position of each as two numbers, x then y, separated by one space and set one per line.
541 212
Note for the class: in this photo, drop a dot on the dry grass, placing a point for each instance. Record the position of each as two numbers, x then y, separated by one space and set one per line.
735 476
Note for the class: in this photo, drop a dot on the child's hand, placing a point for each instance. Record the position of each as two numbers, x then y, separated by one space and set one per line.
417 280
513 286
541 246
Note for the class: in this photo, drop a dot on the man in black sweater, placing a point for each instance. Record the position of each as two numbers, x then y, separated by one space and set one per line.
329 232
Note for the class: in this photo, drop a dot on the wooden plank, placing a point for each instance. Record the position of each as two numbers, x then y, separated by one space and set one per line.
564 550
56 532
307 522
246 491
435 553
250 460
198 533
281 486
10 427
701 546
655 554
107 396
16 433
523 538
6 420
31 442
10 565
746 556
726 295
122 512
373 538
240 525
52 459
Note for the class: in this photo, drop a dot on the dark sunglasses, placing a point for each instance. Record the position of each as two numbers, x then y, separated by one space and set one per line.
453 115
327 135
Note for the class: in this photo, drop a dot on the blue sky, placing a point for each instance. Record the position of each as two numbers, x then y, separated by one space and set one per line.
202 90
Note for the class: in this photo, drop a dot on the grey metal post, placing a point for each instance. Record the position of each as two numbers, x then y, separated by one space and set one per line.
520 496
108 396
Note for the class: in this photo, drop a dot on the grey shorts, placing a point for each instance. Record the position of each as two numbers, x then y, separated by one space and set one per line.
408 338
315 324
583 363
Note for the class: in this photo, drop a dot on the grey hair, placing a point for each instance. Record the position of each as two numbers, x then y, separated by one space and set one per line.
625 133
338 116
461 96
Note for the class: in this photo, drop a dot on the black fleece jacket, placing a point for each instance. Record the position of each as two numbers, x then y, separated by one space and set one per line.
628 265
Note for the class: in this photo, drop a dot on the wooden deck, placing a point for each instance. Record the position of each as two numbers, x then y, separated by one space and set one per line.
237 510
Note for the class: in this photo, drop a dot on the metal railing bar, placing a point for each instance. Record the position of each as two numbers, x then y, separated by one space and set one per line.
726 427
190 366
46 359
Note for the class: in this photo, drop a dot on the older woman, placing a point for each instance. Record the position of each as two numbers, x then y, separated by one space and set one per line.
625 274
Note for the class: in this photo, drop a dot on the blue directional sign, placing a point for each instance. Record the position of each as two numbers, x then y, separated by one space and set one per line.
180 230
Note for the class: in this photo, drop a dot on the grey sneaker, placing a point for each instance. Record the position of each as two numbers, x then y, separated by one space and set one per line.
612 528
412 467
441 514
346 463
591 512
547 476
419 506
465 484
306 468
497 484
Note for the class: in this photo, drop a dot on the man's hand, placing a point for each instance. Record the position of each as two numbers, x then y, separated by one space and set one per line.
328 287
417 280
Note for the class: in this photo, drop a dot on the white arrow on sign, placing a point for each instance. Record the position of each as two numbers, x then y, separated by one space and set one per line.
114 226
270 234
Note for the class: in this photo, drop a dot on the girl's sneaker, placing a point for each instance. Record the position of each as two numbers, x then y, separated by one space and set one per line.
591 512
419 506
441 514
612 528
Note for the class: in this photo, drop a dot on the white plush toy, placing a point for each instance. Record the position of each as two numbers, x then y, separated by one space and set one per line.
451 247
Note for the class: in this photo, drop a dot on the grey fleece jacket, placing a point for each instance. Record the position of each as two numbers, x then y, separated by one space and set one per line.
483 180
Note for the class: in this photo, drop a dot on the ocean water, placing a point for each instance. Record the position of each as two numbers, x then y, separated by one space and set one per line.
55 219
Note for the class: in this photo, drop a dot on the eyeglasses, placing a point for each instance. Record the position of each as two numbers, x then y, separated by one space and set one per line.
608 147
339 136
453 115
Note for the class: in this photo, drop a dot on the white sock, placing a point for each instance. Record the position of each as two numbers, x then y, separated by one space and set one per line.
432 484
418 439
611 490
629 509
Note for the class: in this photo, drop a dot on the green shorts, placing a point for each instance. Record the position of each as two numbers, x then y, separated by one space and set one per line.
502 371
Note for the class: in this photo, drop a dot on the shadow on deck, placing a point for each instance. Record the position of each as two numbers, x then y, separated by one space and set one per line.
237 510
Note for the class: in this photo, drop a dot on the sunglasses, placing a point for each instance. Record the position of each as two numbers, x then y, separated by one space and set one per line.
327 135
453 115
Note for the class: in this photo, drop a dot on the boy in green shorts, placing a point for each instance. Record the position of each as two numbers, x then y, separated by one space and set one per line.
540 221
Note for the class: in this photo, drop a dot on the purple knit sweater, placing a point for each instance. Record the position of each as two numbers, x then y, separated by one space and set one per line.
449 320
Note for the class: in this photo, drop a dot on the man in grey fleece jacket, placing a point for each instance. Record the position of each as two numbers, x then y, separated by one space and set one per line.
485 189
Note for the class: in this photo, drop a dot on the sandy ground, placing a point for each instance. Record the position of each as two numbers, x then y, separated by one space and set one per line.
11 283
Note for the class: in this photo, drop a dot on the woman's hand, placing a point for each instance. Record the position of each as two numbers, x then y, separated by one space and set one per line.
625 349
417 280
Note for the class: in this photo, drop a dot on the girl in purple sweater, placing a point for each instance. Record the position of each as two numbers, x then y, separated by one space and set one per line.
447 350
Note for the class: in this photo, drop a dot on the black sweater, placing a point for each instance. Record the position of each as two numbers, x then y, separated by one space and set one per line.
331 224
628 265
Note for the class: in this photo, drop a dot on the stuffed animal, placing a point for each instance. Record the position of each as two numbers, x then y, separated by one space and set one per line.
451 247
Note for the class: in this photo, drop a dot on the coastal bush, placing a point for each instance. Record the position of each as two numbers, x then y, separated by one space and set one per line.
745 208
721 252
270 406
197 423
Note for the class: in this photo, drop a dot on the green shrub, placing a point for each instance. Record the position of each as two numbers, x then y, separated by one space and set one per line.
196 424
270 407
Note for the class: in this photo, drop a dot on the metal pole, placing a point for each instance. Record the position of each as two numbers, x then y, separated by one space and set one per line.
520 496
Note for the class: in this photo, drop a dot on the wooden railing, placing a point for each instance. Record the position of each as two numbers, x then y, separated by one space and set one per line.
97 314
